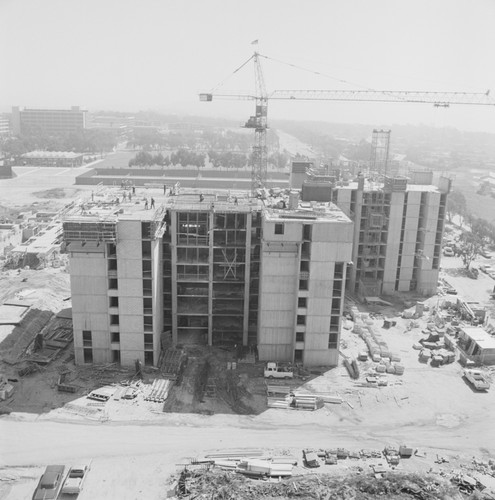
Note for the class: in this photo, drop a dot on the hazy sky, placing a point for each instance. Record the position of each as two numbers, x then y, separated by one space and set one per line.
141 54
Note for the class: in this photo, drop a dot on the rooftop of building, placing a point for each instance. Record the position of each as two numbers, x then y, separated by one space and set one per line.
371 185
52 154
480 336
109 204
311 211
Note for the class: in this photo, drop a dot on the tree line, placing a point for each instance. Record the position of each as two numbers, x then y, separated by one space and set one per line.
478 234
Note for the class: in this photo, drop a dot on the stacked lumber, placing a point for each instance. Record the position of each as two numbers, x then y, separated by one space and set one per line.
159 390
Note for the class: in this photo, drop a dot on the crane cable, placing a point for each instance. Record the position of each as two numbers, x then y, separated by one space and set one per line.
231 74
330 77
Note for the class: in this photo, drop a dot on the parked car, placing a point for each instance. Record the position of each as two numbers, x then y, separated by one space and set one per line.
448 252
75 479
50 483
477 379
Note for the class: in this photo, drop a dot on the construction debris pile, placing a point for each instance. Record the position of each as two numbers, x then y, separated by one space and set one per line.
377 347
215 484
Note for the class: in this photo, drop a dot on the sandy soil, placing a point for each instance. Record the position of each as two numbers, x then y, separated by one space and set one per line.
136 447
44 186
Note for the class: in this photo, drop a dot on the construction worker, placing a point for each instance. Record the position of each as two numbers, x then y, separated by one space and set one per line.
152 202
146 203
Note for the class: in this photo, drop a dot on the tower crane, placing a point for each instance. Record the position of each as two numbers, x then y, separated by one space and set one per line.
259 123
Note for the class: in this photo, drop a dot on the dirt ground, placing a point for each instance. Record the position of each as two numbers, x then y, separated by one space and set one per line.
134 447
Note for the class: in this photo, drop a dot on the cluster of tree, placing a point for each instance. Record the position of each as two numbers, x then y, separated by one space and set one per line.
185 157
182 157
144 158
479 233
86 141
227 159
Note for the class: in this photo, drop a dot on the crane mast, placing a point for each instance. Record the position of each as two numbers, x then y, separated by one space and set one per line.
260 125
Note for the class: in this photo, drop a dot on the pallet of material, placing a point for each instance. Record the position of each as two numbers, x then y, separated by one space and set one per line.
326 398
159 390
278 389
171 362
277 403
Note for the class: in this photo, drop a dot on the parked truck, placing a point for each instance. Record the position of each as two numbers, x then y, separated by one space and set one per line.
477 379
274 370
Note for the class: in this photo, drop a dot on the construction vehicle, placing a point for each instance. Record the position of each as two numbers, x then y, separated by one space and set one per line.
273 370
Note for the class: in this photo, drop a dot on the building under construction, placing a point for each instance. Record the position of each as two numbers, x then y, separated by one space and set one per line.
398 228
207 268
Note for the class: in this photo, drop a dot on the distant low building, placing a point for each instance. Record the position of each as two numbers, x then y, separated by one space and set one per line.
53 159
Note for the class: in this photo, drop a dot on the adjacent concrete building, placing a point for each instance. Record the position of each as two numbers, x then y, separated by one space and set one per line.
399 224
212 270
47 121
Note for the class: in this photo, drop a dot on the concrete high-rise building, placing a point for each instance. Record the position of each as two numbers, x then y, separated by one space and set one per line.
48 121
208 269
398 232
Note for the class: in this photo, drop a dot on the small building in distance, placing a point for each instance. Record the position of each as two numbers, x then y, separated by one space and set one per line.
66 159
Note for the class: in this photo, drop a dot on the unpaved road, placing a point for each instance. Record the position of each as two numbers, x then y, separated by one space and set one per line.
131 459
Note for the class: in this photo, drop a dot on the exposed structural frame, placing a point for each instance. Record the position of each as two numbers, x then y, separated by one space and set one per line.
380 145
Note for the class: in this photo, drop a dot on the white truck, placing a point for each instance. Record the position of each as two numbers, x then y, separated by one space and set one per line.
477 379
273 370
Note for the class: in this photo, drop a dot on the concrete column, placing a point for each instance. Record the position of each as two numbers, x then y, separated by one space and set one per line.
247 280
173 254
211 221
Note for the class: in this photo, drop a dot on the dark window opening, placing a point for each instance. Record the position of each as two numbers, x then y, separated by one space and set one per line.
116 356
148 341
299 336
113 284
301 320
114 302
298 356
302 302
114 319
88 355
87 338
333 340
114 337
146 248
279 228
148 358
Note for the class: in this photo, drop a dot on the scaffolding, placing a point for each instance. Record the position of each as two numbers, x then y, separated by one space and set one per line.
90 230
380 144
